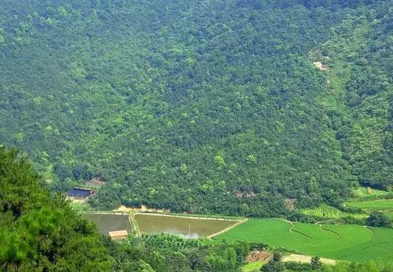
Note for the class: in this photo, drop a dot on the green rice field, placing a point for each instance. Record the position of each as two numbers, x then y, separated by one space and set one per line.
384 204
339 242
390 214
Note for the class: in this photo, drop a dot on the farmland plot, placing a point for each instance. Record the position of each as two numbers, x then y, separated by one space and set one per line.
340 242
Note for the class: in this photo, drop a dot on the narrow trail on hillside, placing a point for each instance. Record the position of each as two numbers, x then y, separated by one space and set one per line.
134 225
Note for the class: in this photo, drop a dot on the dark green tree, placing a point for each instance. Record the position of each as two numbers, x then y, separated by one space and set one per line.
275 264
316 263
378 219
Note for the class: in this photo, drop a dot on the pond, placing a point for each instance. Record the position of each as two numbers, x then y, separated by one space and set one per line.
109 222
186 226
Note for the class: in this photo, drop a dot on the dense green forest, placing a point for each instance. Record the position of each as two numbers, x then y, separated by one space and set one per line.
202 106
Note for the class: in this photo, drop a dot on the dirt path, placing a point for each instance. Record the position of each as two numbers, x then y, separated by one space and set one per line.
290 223
305 259
324 221
97 212
291 229
143 208
188 217
134 225
331 231
227 229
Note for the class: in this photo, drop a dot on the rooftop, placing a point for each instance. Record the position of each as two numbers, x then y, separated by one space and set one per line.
118 234
80 192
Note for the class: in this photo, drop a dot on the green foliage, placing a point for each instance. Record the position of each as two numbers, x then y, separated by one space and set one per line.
41 232
20 190
194 106
252 267
172 253
359 58
166 100
274 265
165 241
375 266
378 219
316 263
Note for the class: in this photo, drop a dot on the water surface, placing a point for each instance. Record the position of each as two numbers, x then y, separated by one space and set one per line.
189 227
109 222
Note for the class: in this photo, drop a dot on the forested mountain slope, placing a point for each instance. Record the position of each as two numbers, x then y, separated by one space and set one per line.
200 106
360 60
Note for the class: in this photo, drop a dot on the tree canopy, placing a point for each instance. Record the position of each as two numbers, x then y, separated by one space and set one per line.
40 232
227 107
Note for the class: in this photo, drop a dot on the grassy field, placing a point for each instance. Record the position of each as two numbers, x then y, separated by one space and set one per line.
362 192
252 267
390 214
384 204
340 242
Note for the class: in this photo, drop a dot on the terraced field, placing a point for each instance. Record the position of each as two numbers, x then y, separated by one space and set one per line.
340 242
384 204
331 212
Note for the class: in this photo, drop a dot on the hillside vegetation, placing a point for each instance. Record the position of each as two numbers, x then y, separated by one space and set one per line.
39 232
201 106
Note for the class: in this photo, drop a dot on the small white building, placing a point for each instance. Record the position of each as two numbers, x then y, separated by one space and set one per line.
118 234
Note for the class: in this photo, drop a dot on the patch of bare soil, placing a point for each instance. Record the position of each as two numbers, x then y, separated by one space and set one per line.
143 208
256 256
76 200
305 259
123 208
95 182
320 65
290 203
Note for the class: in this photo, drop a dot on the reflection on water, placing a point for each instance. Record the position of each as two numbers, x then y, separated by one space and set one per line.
191 228
191 236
